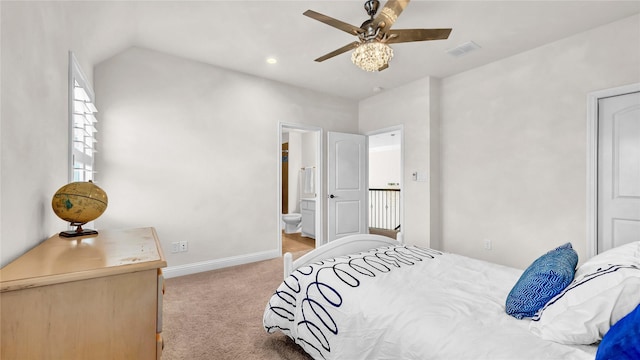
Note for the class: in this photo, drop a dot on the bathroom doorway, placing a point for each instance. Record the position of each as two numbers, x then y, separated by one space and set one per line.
299 187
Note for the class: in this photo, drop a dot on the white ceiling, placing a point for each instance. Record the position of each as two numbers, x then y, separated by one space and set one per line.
240 35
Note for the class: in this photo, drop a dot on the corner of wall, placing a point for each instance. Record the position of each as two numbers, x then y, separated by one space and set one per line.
434 163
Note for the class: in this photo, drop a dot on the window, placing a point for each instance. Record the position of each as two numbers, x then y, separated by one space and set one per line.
82 123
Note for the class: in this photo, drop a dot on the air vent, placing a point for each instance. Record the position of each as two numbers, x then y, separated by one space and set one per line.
463 49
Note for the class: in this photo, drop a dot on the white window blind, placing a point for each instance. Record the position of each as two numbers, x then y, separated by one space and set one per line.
82 123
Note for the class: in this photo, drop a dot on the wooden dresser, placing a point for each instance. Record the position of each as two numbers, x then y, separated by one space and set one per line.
93 297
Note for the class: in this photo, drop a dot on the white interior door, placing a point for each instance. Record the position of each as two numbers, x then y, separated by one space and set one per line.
347 185
618 170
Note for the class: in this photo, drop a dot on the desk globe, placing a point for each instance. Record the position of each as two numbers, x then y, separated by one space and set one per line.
78 203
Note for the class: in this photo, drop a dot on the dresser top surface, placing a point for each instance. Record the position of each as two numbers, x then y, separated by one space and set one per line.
60 259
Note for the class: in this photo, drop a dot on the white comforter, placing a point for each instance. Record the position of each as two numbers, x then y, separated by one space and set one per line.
405 302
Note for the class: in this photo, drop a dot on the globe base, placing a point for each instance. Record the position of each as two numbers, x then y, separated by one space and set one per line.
79 231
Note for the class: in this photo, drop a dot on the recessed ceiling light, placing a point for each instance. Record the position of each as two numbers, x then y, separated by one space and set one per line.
272 60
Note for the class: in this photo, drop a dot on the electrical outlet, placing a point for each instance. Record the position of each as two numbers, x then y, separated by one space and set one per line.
487 244
184 246
175 247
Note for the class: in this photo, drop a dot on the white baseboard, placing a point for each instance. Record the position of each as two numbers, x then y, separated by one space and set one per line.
194 268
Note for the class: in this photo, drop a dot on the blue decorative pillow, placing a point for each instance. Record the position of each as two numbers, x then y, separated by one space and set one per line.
622 341
545 278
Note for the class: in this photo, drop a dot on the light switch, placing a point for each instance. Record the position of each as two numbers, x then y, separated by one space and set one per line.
419 175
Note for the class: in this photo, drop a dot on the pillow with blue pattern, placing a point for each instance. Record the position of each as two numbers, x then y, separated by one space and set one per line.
545 278
622 341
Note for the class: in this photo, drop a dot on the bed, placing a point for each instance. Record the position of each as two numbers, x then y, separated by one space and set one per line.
371 297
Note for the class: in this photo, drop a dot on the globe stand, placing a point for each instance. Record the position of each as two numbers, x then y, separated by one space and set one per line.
79 231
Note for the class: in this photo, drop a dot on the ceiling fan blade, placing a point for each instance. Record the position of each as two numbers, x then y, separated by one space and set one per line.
389 14
353 30
343 49
408 35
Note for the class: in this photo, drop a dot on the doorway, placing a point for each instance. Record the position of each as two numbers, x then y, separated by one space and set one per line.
354 205
385 181
613 168
299 187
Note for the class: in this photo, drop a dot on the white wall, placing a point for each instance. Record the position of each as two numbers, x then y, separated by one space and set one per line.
408 105
302 153
496 126
384 168
193 150
513 144
435 163
36 40
309 148
295 162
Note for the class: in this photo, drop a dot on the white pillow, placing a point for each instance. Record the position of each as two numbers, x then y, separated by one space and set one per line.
605 289
628 254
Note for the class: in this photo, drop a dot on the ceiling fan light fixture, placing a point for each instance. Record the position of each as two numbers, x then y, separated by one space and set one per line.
372 55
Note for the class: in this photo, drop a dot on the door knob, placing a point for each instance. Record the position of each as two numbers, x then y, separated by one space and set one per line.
332 196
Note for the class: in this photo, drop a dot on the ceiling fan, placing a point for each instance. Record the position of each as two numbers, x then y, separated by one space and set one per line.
372 52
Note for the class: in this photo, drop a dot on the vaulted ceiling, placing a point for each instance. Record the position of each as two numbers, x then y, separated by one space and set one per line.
241 35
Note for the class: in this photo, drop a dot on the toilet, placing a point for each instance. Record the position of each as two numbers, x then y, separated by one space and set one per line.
292 223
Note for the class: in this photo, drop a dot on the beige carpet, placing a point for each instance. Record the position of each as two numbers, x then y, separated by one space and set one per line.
217 315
